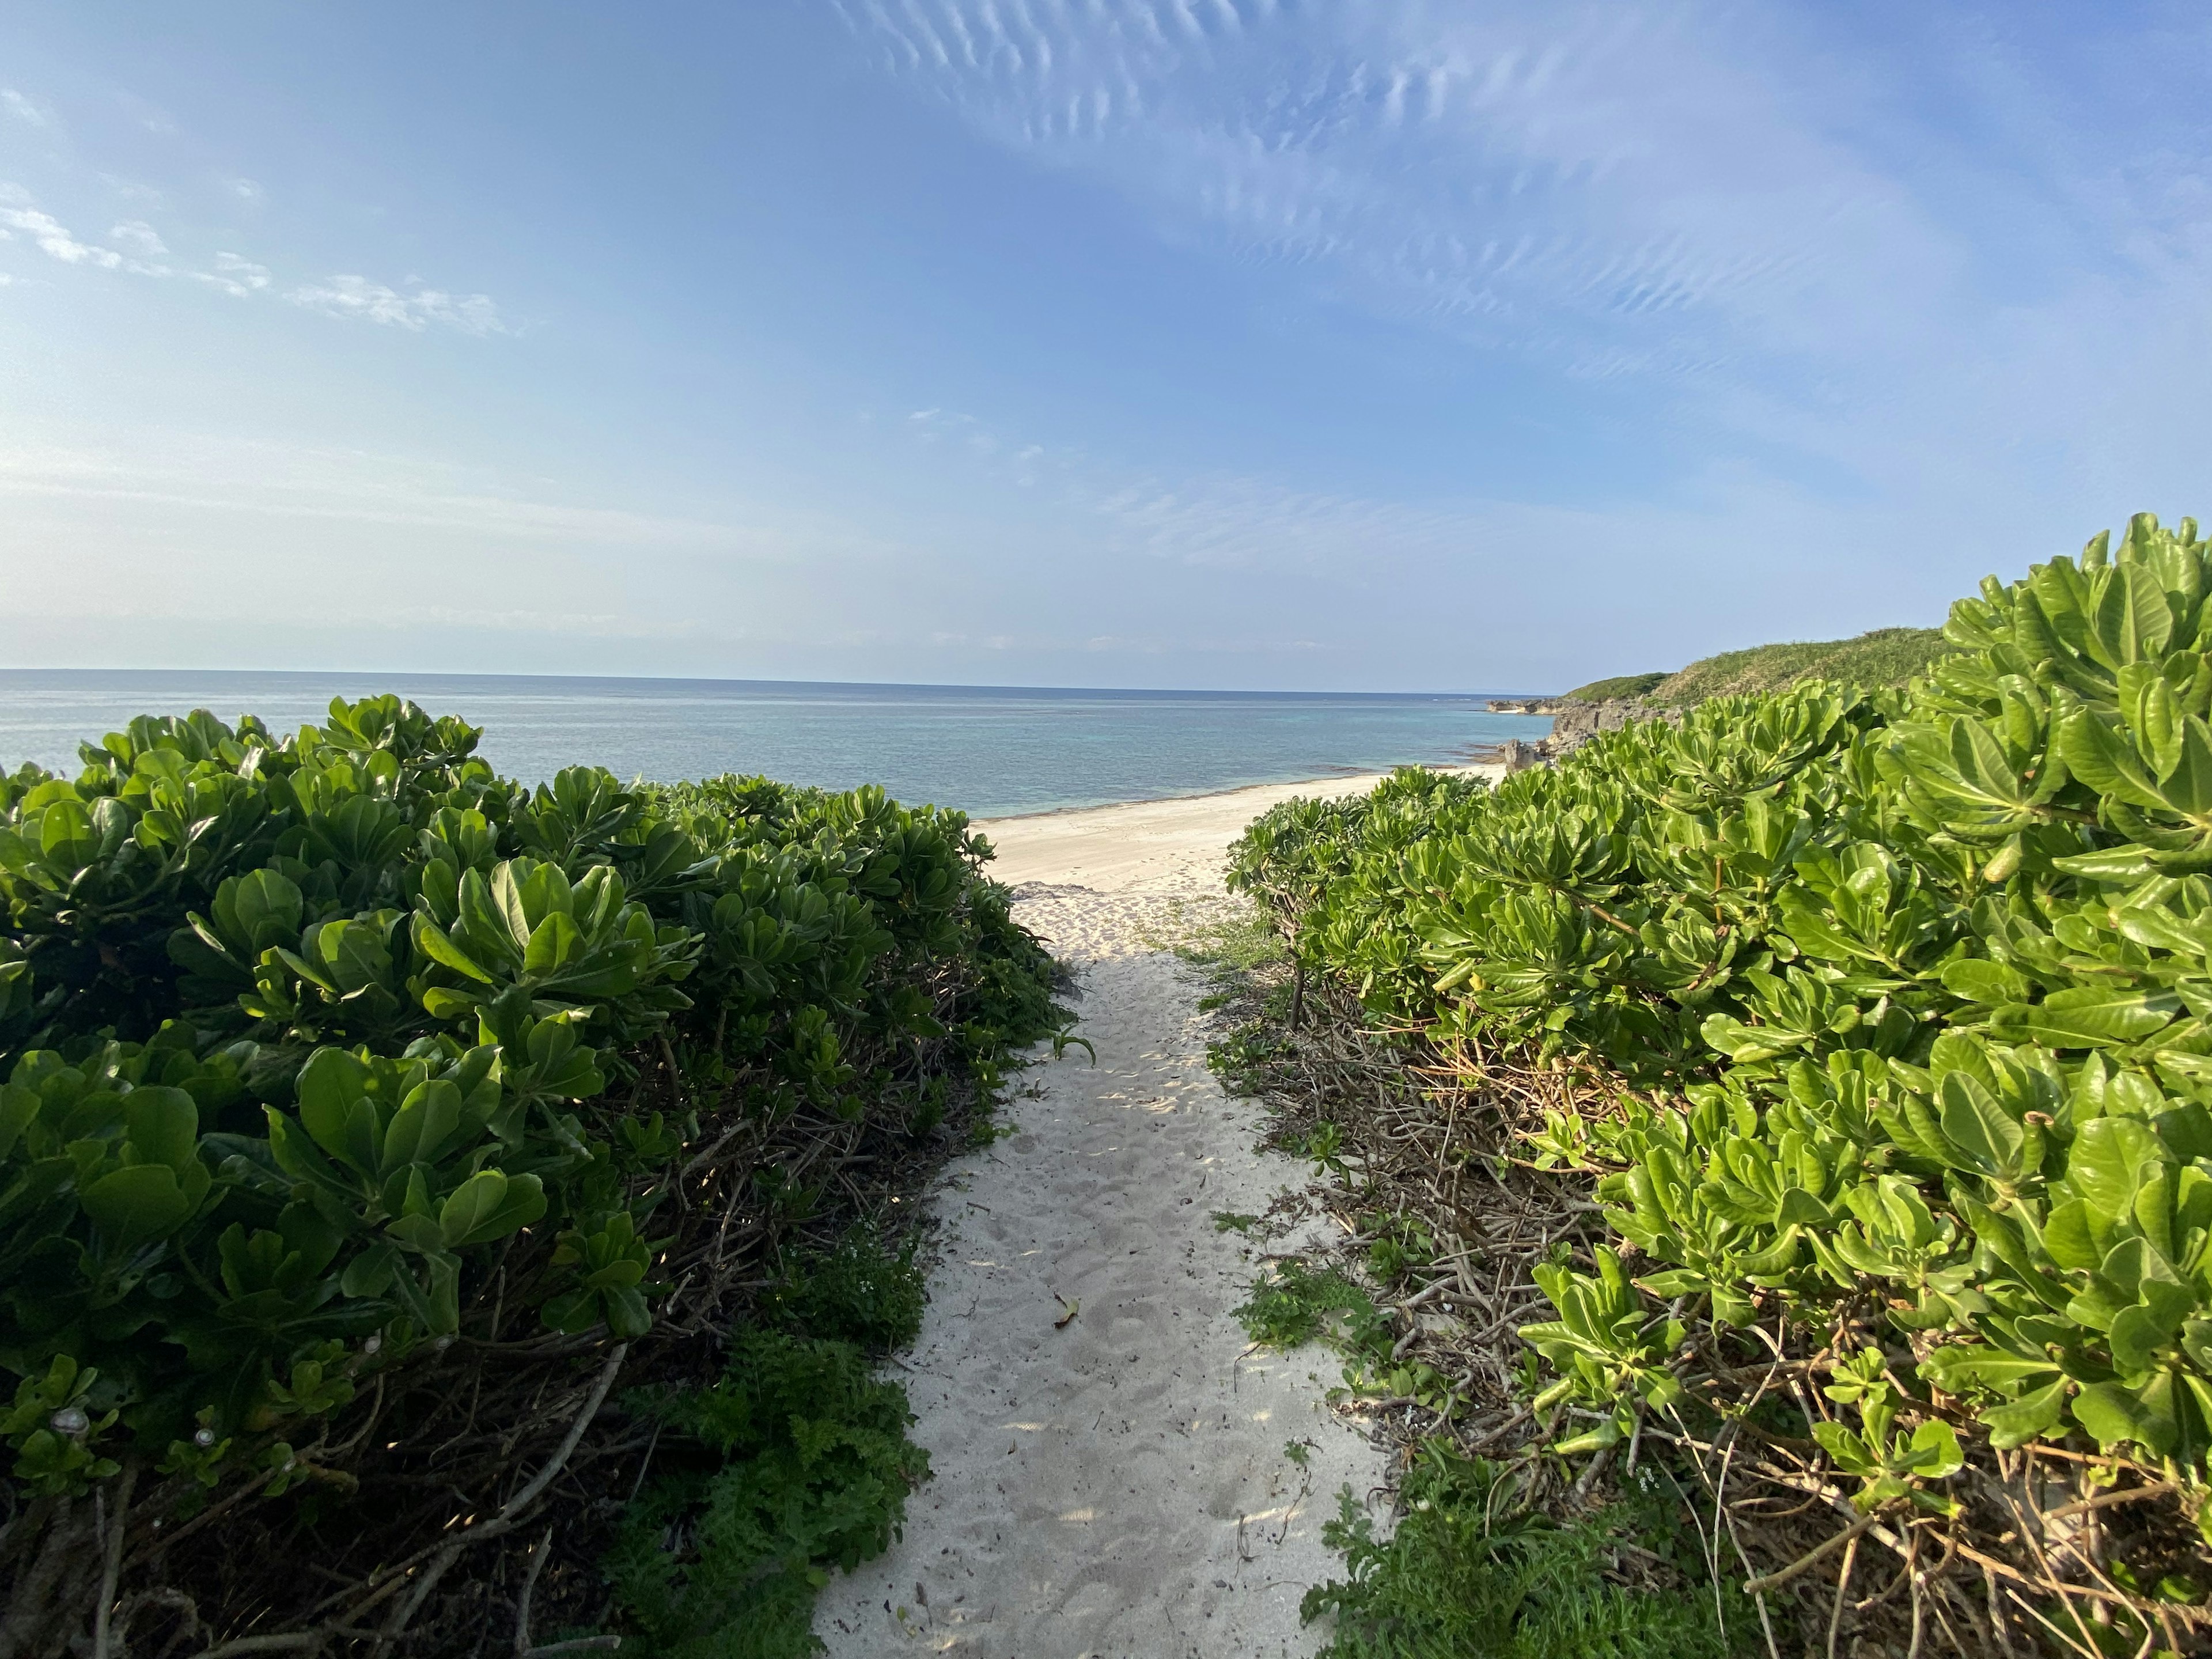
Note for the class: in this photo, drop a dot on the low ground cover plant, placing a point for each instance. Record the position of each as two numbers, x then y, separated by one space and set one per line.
366 1117
1473 1571
792 1462
1885 1016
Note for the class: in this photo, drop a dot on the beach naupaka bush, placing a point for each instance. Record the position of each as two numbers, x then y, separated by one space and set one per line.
1912 991
321 1053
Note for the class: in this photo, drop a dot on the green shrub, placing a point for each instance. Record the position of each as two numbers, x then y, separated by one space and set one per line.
300 1034
1916 989
795 1462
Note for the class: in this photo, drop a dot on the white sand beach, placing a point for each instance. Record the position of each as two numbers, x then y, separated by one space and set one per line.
1113 1485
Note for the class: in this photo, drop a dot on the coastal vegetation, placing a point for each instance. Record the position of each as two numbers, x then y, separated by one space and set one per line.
1822 1086
401 1167
1621 685
1883 658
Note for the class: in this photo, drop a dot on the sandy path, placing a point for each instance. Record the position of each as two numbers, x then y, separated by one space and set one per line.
1116 1488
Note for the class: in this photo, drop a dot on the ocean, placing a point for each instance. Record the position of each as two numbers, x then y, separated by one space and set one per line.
991 752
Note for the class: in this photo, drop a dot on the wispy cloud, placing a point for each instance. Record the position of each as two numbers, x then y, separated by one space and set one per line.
236 277
24 109
355 296
135 246
1782 233
1615 190
139 237
53 239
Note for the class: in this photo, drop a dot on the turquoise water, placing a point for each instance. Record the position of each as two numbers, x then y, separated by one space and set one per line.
988 750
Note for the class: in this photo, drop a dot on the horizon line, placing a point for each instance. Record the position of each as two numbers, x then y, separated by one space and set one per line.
698 679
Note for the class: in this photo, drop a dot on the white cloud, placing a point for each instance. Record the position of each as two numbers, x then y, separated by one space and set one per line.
53 239
355 296
137 245
245 189
23 109
238 278
139 236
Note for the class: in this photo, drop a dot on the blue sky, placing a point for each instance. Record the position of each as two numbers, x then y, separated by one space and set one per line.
1170 342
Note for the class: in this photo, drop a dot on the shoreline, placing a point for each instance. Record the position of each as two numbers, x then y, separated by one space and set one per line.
1172 845
1464 766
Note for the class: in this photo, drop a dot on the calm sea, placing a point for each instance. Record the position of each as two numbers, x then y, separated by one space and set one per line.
989 751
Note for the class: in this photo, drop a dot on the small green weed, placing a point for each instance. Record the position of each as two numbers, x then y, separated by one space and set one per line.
1300 1452
796 1460
1298 1302
929 1110
1234 1221
858 1292
1401 1242
1241 1059
990 1131
1469 1574
1232 940
1325 1147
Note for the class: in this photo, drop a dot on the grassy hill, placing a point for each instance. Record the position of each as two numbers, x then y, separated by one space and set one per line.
1886 656
1621 685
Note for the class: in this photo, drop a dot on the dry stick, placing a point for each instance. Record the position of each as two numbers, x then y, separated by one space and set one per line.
2110 1500
1819 1552
645 1462
509 1511
1765 1623
1843 1589
2065 1599
1912 1573
32 1590
114 1569
1720 1491
2025 1607
1998 1621
545 1547
1697 1527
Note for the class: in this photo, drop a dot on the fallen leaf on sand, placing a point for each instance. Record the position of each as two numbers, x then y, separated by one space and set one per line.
1073 1309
